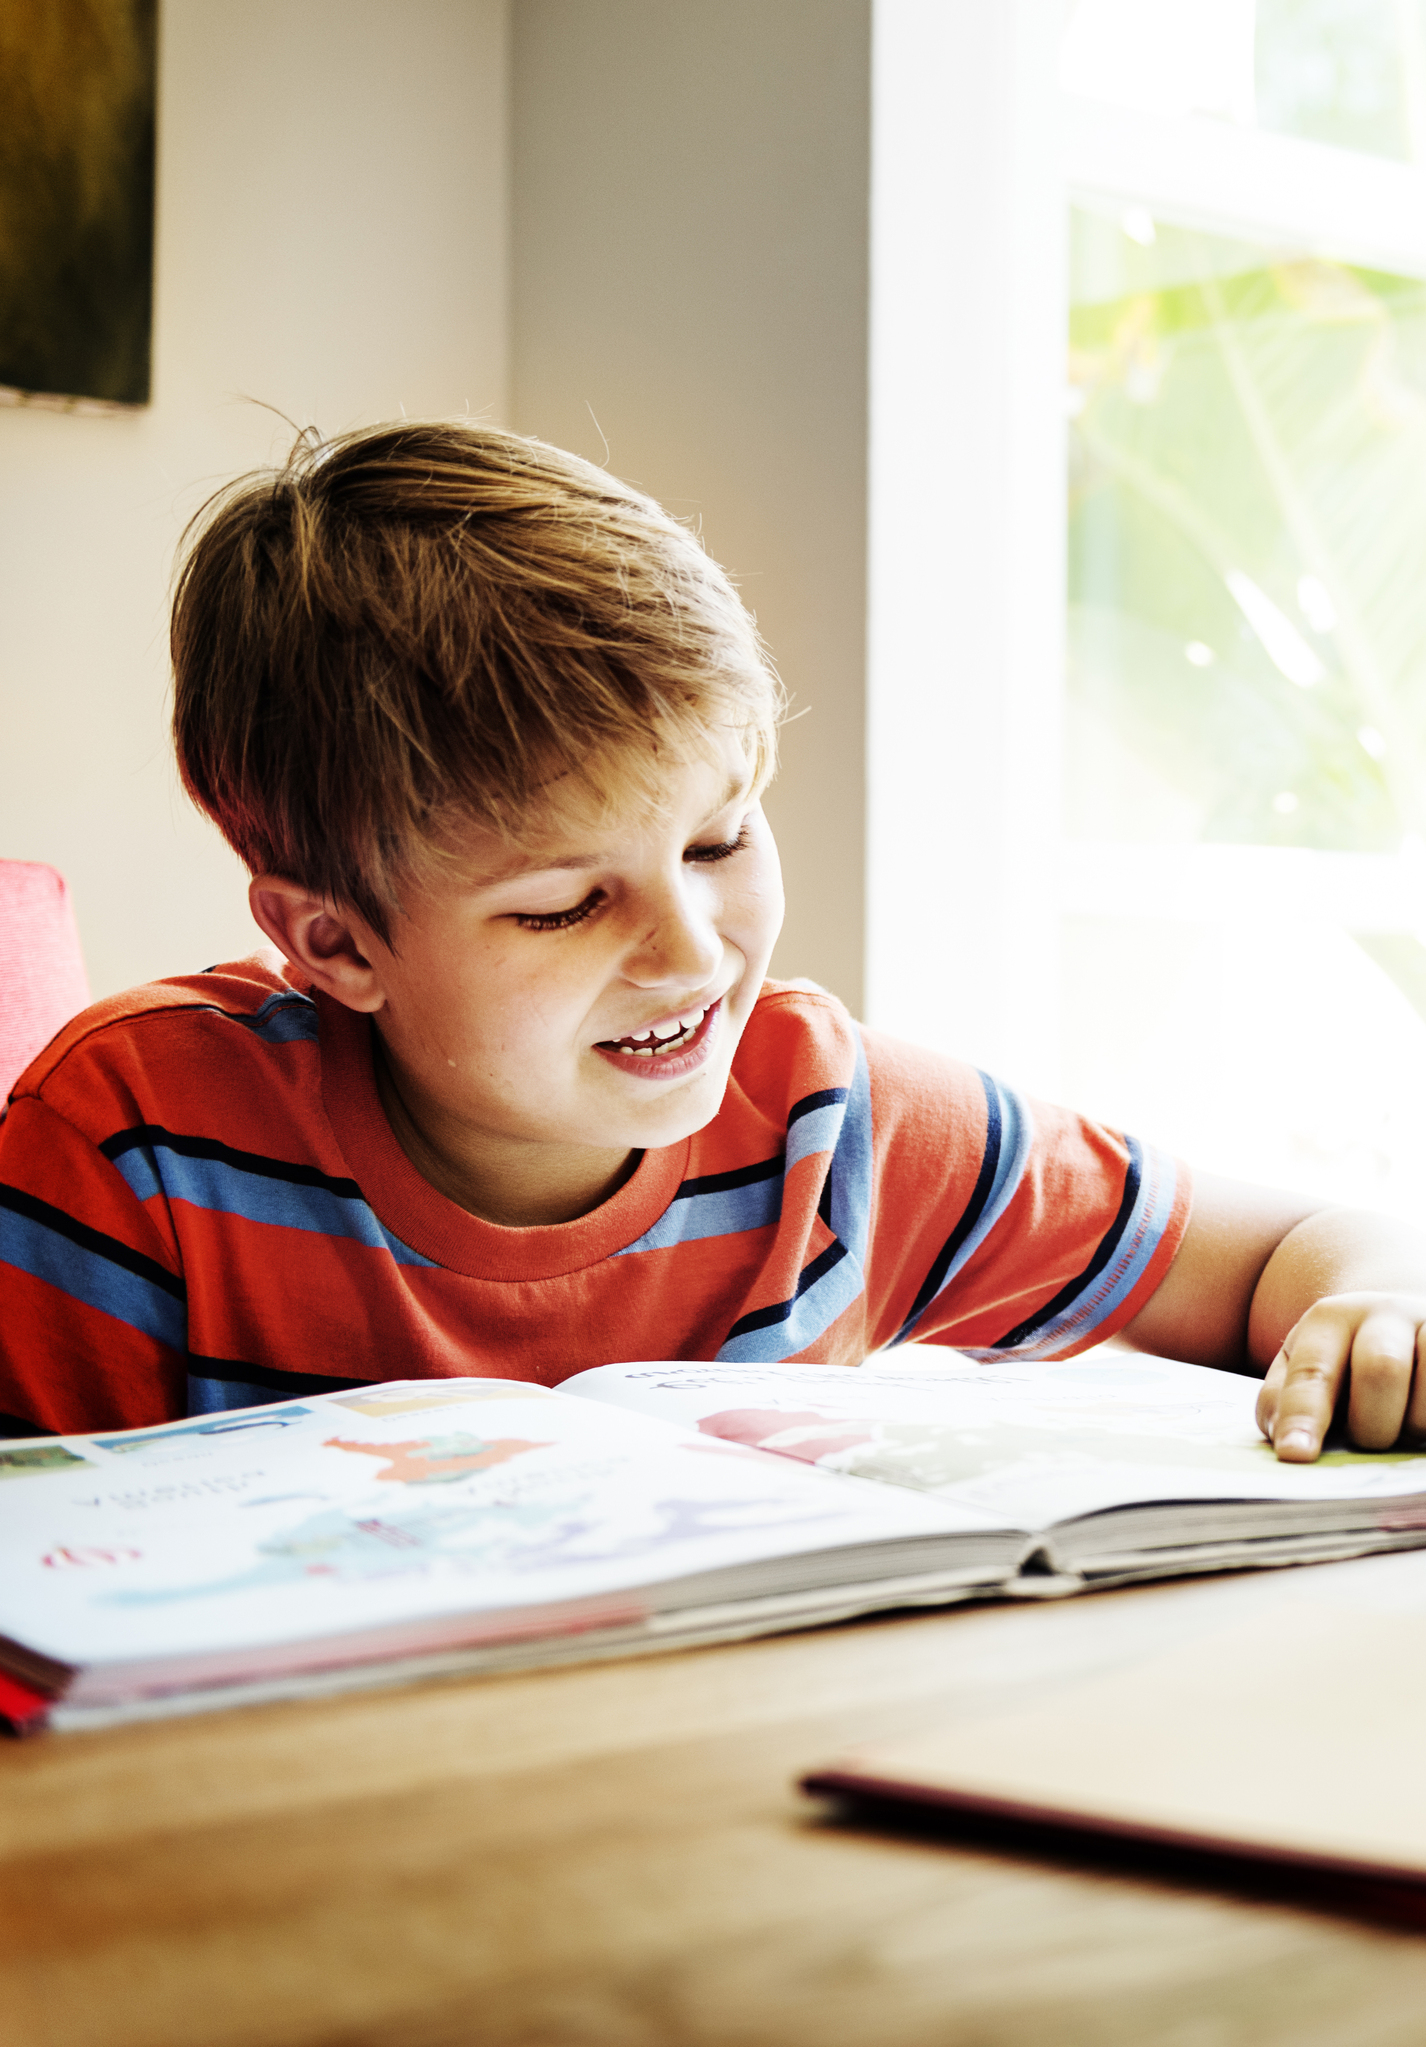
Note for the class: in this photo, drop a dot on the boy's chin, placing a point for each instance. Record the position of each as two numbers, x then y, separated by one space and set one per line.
674 1115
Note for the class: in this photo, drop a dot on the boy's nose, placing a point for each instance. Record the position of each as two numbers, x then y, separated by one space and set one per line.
680 945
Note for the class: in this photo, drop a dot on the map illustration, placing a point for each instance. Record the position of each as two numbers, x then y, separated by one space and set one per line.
437 1460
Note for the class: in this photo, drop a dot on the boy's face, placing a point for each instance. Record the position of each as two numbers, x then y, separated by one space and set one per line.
553 1008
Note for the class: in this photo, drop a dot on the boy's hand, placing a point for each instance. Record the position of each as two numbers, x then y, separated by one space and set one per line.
1376 1344
1322 1298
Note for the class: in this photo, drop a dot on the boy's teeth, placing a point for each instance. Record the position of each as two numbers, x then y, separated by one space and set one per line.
660 1037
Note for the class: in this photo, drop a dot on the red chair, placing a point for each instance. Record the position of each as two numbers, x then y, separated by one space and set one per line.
42 978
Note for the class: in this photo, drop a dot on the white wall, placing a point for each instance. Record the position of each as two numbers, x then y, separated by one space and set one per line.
331 240
689 279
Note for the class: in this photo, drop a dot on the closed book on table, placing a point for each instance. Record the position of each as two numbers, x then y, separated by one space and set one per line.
1290 1735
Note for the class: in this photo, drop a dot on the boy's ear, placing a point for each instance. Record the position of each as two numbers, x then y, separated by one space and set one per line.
329 945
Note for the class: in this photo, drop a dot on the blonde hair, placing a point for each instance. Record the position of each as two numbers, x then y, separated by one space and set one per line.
421 626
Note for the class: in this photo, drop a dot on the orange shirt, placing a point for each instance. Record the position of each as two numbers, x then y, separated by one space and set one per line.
202 1206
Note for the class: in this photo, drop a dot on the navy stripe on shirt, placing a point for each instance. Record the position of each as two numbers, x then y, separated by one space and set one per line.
217 1384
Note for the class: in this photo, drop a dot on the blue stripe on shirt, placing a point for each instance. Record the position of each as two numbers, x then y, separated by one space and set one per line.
218 1396
93 1268
849 1176
216 1385
749 1198
717 1205
832 1281
213 1176
285 1018
815 1124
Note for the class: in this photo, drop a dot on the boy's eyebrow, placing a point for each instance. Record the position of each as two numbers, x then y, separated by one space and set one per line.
536 863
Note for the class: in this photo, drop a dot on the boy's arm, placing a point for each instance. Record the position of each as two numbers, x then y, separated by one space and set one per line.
1312 1297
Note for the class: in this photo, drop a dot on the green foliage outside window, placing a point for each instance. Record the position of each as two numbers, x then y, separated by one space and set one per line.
1247 628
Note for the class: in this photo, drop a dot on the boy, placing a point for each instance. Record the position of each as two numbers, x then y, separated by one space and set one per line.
511 1096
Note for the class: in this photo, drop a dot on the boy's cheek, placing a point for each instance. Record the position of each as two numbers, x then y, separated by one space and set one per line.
759 917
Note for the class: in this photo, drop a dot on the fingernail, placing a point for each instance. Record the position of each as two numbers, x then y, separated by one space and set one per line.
1295 1439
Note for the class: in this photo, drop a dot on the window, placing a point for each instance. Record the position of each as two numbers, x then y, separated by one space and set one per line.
1244 897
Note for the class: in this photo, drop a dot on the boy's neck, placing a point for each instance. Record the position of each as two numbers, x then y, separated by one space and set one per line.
501 1180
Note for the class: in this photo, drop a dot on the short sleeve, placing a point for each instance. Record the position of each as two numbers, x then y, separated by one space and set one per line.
1004 1226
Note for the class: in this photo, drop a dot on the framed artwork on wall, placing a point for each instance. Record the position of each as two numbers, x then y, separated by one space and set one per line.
78 87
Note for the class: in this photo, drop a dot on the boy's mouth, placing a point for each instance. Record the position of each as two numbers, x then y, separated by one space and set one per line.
680 1035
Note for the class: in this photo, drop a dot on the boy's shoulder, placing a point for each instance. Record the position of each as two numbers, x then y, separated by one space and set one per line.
798 997
167 1036
794 1023
798 1023
802 1045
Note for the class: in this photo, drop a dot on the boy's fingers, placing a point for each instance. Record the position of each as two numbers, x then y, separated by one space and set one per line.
1266 1410
1316 1356
1416 1408
1312 1373
1383 1342
1383 1359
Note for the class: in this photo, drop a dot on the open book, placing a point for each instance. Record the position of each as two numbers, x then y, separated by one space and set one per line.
430 1526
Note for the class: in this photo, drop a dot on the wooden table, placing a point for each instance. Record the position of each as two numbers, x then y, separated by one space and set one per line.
615 1856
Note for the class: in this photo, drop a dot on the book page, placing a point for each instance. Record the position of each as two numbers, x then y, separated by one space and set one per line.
1033 1444
359 1509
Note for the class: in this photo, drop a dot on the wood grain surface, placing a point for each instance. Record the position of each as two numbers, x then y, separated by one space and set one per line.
616 1856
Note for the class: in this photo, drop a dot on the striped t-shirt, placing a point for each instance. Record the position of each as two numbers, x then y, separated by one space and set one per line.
203 1206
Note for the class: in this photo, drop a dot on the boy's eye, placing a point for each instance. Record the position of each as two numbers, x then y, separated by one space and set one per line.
560 920
721 852
565 920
